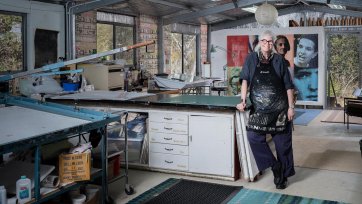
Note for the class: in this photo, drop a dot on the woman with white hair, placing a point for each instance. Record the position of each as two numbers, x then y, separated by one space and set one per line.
266 75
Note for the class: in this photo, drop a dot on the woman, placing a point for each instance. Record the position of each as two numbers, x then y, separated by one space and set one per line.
271 94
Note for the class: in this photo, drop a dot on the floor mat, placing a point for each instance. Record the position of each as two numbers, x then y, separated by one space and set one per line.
180 191
174 191
254 196
304 116
337 116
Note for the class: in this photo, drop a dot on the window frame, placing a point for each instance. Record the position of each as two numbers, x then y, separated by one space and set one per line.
183 52
114 24
23 39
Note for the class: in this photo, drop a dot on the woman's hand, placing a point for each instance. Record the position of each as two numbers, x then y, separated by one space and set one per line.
291 114
241 106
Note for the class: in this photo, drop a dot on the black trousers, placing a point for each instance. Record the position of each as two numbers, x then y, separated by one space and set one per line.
264 156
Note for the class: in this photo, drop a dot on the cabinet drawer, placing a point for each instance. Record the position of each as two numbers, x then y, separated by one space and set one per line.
170 128
169 161
168 118
115 79
168 138
169 148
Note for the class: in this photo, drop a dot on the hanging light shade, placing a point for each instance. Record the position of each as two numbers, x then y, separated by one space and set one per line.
266 14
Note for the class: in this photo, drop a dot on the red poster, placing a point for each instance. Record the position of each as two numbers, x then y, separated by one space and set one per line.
237 50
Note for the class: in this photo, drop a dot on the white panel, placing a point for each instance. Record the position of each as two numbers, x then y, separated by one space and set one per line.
169 149
168 138
40 15
210 145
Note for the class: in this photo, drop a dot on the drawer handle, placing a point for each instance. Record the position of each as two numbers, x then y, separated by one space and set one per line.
168 149
167 138
167 118
167 128
168 162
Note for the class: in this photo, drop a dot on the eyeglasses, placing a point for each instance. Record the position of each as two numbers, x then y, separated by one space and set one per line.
270 42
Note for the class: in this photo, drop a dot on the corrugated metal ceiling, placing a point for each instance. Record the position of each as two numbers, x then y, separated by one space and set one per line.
211 12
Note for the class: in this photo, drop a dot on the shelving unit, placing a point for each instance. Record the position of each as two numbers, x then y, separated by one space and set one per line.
128 188
47 129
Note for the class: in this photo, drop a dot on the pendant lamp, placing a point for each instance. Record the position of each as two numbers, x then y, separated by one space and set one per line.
266 14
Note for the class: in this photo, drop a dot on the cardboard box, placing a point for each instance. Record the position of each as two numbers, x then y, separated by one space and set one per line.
74 167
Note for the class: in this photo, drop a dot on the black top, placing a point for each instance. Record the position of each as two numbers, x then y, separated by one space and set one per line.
278 63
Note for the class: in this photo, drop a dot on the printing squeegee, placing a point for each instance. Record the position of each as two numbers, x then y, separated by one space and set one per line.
74 61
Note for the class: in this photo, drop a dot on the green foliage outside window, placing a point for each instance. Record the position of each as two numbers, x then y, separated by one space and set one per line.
11 50
123 35
343 64
104 38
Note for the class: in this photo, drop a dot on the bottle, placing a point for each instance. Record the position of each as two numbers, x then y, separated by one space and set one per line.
23 189
3 198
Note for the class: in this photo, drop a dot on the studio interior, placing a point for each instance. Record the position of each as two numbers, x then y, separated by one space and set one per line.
180 101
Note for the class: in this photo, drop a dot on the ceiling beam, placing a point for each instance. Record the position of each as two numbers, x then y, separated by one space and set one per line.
334 11
180 6
81 8
211 11
350 3
166 3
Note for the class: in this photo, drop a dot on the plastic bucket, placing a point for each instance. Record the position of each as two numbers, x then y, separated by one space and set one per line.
78 199
70 86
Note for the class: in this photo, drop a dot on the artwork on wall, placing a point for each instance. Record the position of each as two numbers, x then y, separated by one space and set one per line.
237 50
306 66
233 81
302 57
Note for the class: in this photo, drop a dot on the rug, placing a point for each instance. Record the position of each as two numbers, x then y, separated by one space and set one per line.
255 196
328 154
336 116
180 191
304 116
238 195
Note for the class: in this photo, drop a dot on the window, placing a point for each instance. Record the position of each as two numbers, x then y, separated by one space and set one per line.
182 54
343 66
189 54
115 31
12 42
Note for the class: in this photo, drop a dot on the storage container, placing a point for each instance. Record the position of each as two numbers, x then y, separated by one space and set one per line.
134 147
23 190
70 86
3 198
114 130
78 199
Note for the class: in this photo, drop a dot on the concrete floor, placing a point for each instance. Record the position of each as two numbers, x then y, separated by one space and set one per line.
308 182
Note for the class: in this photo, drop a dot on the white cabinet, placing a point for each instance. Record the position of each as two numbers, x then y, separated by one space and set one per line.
103 77
195 143
211 147
168 133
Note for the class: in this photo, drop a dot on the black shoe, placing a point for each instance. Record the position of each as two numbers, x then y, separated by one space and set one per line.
277 169
283 184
